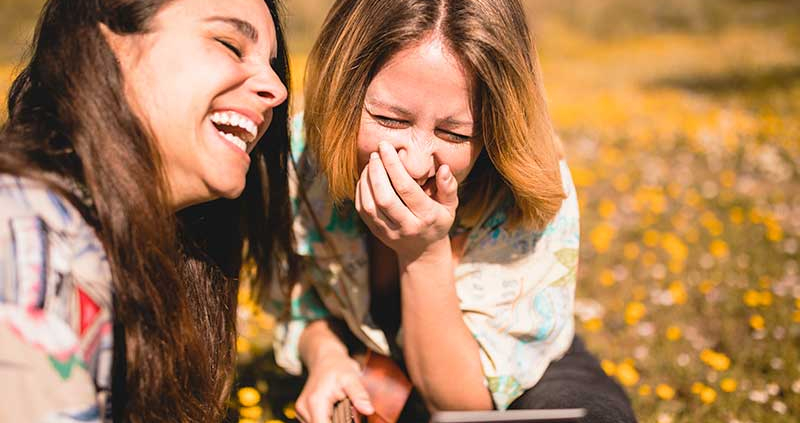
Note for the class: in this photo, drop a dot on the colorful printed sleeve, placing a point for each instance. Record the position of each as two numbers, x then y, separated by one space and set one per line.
302 305
44 376
517 290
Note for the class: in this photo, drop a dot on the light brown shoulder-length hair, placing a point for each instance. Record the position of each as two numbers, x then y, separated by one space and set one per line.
491 39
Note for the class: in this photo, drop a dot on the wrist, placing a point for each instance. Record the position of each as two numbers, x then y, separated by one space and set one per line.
435 253
318 343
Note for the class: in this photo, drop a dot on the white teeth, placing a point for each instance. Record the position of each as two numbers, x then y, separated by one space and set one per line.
238 120
233 139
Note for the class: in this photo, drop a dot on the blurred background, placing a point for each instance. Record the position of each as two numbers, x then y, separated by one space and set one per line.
681 120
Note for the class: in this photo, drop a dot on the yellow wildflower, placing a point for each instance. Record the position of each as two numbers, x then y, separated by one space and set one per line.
751 298
607 208
665 391
774 230
601 237
631 251
627 374
718 248
693 198
634 312
606 277
727 384
247 421
720 362
609 367
796 316
673 333
757 322
645 390
242 344
717 361
593 324
651 237
708 395
289 411
249 397
705 286
251 412
678 292
583 177
697 387
765 298
736 215
711 223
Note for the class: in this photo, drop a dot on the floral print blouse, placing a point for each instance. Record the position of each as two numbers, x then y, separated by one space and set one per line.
516 287
55 310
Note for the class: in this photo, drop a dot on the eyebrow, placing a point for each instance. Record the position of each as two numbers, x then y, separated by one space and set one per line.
245 28
396 109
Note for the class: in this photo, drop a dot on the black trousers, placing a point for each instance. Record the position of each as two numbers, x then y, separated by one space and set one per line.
578 381
574 381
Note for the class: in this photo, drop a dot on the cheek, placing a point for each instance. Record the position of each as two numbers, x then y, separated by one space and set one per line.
462 161
366 143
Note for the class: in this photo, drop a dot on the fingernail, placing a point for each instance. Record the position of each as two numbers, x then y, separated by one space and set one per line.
383 145
374 155
366 406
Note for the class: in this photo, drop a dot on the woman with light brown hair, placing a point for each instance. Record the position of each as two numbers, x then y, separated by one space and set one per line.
437 219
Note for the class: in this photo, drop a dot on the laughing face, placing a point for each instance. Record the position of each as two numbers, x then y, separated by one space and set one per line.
202 83
419 102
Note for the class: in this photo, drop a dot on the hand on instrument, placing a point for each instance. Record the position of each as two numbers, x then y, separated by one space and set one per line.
332 379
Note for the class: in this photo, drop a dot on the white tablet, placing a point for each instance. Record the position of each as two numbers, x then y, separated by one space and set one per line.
566 415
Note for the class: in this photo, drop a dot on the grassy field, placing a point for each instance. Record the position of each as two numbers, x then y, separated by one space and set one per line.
682 126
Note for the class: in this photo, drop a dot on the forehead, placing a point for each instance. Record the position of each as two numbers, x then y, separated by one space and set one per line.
428 72
254 12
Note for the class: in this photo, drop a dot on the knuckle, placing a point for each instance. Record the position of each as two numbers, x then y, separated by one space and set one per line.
403 189
383 200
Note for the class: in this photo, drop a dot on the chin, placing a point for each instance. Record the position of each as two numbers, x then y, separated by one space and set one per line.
230 190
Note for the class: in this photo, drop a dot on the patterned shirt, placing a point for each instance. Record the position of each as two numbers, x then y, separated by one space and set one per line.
516 287
55 310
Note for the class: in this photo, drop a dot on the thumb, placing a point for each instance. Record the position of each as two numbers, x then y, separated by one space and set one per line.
446 188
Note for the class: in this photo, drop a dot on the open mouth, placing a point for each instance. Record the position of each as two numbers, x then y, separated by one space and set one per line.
235 128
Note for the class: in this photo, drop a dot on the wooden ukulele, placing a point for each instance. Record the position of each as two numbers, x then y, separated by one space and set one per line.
388 389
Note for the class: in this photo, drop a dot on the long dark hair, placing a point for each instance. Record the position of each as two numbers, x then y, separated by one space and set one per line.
175 277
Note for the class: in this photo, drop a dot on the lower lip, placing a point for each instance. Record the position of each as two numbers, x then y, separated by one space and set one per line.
241 153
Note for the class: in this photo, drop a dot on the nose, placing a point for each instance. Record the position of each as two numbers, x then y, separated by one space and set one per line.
416 154
269 88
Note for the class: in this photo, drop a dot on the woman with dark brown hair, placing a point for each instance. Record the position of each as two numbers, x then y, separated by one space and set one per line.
438 223
146 148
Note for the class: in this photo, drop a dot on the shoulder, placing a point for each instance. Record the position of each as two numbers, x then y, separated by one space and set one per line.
497 237
44 240
26 198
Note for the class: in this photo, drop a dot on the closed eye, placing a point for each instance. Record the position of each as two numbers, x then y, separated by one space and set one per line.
454 137
230 47
390 122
